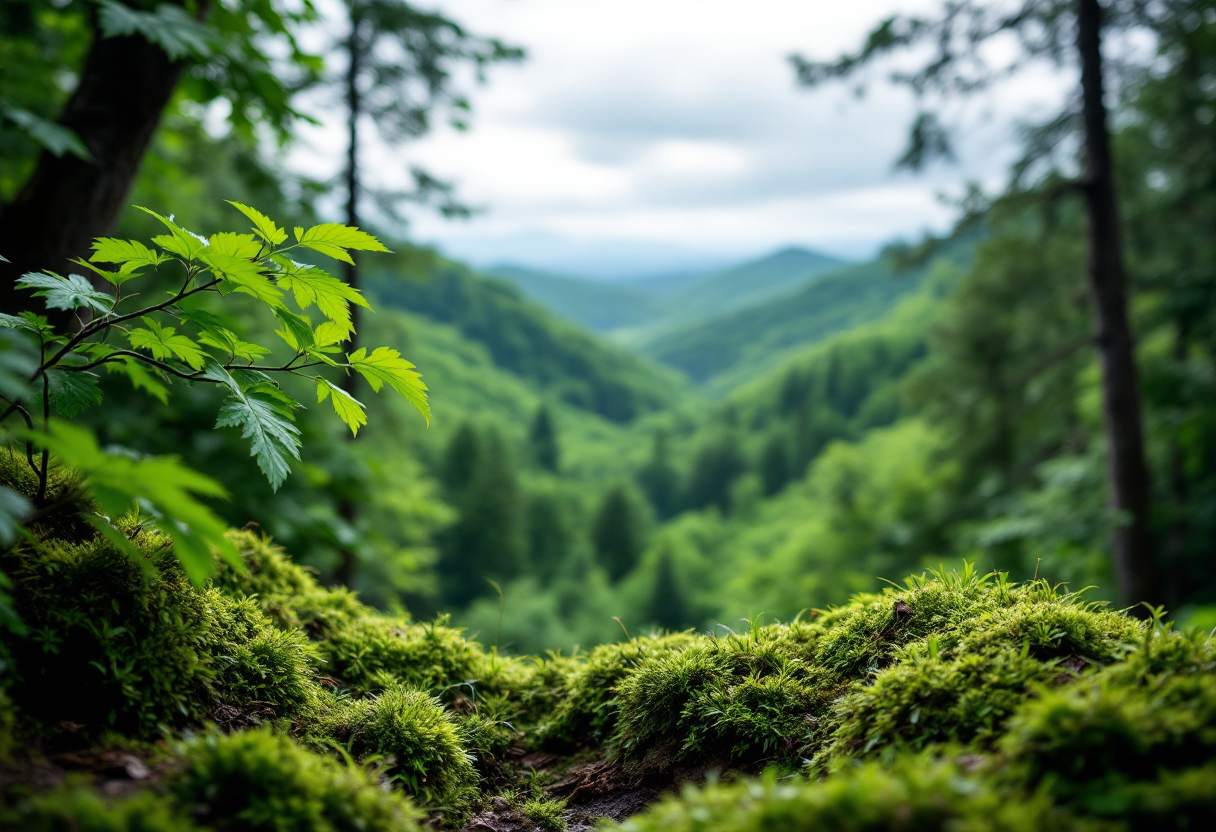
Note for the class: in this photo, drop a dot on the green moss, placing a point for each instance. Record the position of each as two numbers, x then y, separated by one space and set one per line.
149 648
375 651
256 780
545 813
419 742
917 794
1122 751
73 807
584 709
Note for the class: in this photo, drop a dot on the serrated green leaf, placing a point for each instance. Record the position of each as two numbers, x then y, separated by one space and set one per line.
333 240
349 409
130 253
245 276
164 342
329 334
296 330
264 418
55 138
234 245
141 379
71 292
170 27
72 392
16 322
386 366
114 278
262 224
311 285
181 242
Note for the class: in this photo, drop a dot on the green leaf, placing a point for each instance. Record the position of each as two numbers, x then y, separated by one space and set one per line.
115 278
16 322
386 366
183 243
72 392
262 224
170 27
265 419
329 334
296 331
18 362
71 292
235 245
349 409
245 276
312 285
141 379
162 486
14 508
216 334
55 138
163 343
333 240
131 254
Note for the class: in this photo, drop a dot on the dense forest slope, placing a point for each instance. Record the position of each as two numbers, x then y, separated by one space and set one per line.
724 351
639 309
562 359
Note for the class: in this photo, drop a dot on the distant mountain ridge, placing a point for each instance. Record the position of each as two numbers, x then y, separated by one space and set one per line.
639 309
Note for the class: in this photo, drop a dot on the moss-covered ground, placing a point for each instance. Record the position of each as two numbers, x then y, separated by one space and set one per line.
131 699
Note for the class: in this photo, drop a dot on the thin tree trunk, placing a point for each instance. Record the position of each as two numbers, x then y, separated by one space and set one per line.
346 506
125 84
1180 527
1136 569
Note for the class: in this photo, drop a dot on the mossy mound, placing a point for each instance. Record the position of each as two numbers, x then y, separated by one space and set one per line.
418 741
918 794
256 780
76 807
150 650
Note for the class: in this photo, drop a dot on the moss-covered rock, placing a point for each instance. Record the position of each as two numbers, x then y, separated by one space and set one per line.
258 780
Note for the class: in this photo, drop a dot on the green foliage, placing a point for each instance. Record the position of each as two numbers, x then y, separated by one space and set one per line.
218 268
419 743
617 533
259 780
545 813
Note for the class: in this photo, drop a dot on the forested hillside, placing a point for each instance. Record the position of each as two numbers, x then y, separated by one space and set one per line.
308 526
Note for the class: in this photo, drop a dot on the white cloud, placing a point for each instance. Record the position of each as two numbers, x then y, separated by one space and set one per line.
677 123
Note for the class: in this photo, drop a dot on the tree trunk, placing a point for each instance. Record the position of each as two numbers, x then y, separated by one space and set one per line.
1136 569
125 85
347 561
1180 526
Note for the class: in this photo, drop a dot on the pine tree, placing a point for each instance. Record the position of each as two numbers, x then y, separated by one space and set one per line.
543 437
617 533
548 535
488 540
668 607
659 480
461 459
775 463
714 469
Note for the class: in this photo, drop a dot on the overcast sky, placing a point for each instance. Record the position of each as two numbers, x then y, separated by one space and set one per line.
644 135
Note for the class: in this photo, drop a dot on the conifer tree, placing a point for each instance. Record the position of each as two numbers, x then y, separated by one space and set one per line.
543 437
714 468
669 608
617 533
488 541
461 459
548 535
659 480
775 463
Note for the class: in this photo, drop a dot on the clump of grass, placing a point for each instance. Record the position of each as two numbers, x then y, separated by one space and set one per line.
417 741
260 780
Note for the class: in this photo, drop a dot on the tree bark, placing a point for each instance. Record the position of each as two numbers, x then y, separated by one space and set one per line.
125 85
1136 569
